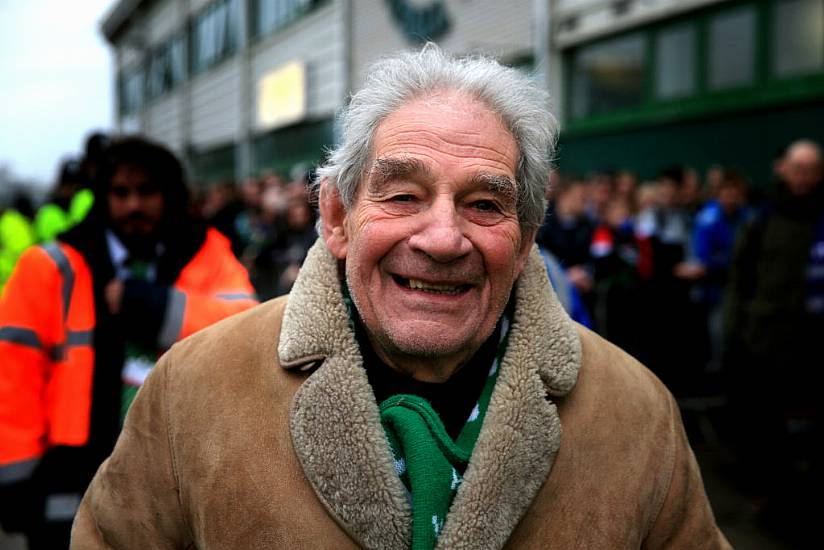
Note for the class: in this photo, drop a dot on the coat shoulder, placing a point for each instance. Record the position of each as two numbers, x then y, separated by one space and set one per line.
610 373
241 343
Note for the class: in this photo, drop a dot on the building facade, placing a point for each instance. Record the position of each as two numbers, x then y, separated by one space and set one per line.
241 86
220 81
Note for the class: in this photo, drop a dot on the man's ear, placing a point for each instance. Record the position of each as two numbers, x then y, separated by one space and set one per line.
333 218
527 240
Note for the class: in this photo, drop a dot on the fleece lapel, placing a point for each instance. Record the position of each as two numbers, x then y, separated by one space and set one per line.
335 422
522 431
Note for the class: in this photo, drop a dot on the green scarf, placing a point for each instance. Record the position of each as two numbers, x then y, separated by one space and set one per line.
430 464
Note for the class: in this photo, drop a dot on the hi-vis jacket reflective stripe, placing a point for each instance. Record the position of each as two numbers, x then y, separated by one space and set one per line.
47 321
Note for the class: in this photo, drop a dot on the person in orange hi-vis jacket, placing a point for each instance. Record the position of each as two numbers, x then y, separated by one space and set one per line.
82 320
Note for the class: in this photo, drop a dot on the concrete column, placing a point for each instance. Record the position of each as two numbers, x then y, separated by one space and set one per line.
244 151
541 40
185 120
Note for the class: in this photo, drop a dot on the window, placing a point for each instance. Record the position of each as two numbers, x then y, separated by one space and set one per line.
271 15
177 61
608 76
798 37
131 90
675 62
215 34
167 68
731 49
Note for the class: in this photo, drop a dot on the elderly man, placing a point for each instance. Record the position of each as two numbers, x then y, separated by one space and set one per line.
413 388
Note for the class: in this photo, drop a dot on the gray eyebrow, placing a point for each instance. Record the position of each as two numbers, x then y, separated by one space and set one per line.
387 169
503 186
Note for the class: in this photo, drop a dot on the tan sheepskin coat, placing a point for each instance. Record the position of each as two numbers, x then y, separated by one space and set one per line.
262 432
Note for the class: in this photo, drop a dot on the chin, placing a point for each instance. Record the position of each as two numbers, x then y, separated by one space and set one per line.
428 344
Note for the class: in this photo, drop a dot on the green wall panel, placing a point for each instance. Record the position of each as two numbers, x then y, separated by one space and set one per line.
744 141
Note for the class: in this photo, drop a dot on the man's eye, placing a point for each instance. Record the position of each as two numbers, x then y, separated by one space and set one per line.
403 198
485 206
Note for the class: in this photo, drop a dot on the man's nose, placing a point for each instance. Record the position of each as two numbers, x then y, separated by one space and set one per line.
134 202
440 236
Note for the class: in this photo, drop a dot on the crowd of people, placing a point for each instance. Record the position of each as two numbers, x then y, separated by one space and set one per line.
270 223
268 219
650 261
720 295
66 205
716 293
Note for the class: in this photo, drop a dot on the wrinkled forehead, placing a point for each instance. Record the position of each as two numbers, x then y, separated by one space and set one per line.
443 130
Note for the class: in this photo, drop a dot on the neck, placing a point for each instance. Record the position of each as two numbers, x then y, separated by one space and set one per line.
143 248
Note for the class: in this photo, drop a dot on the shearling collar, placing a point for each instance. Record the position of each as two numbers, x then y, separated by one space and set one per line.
340 443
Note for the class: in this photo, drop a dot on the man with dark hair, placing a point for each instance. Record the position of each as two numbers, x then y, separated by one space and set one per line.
82 321
412 389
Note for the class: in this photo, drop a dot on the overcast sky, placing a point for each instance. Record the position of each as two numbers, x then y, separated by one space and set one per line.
55 82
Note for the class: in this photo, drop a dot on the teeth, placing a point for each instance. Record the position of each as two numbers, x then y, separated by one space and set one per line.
444 289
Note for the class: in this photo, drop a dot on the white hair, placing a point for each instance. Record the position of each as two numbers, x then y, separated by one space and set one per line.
393 81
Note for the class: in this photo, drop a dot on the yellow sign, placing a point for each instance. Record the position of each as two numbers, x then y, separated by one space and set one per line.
282 96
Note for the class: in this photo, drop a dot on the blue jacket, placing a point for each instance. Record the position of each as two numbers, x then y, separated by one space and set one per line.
713 239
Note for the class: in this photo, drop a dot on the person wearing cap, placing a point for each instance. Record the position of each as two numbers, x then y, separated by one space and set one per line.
83 319
420 386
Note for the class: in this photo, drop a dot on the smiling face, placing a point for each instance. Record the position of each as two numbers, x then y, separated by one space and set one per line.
432 244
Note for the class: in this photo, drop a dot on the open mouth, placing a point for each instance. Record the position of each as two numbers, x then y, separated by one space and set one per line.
434 288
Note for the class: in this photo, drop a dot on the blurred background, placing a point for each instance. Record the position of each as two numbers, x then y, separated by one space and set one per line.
673 113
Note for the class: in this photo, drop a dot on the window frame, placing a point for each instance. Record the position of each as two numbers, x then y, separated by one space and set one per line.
232 41
695 67
645 53
766 88
138 70
257 32
165 48
772 74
